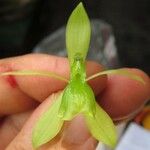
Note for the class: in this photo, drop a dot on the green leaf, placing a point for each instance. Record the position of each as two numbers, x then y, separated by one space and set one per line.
34 73
123 72
78 33
102 127
48 125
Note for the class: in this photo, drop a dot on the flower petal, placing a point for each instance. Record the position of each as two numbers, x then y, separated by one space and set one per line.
78 32
48 125
34 73
78 98
123 72
101 127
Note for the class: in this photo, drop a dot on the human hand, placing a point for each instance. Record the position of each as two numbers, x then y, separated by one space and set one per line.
120 96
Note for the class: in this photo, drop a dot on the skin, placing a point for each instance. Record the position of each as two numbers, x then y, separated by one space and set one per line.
21 97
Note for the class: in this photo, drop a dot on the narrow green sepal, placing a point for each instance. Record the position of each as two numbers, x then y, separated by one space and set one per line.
78 33
48 125
102 127
122 72
34 73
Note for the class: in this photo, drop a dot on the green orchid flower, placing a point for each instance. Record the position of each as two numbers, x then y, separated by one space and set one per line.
78 97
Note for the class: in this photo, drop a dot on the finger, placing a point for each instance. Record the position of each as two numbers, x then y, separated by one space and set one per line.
10 94
17 92
13 100
77 136
78 139
10 126
123 97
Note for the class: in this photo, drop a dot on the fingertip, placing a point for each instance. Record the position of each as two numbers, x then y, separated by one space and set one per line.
146 79
143 88
124 96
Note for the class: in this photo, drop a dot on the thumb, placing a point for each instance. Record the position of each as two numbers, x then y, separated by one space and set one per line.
75 134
